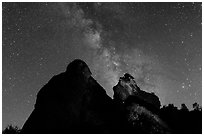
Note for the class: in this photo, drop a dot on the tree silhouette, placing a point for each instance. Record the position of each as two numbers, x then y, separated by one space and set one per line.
184 107
10 129
196 107
183 121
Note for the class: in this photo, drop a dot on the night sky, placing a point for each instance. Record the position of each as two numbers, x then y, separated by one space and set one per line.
160 44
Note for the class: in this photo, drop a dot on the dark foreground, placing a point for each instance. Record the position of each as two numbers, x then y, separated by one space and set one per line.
73 102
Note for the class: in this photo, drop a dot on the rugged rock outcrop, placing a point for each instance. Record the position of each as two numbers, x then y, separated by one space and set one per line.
141 108
73 102
127 87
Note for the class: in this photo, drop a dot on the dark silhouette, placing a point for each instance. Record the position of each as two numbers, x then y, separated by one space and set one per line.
73 102
183 121
141 109
11 130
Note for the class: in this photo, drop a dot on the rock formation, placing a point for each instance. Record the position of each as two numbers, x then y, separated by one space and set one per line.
73 102
127 87
141 108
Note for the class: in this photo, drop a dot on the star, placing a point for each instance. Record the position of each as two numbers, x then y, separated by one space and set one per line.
200 69
160 44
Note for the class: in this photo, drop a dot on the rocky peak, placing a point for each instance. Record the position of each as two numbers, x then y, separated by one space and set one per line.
127 87
74 102
78 68
140 108
128 82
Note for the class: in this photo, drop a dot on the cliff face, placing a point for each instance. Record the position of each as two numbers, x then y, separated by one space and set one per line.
141 108
73 102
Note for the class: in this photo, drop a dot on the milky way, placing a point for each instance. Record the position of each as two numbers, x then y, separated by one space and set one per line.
158 43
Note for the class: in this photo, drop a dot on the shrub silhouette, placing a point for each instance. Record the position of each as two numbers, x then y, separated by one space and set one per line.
183 121
10 129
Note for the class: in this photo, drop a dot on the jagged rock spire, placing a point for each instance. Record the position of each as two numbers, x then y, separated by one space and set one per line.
127 86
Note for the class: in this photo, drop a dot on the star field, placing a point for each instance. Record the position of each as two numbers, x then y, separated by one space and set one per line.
160 44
